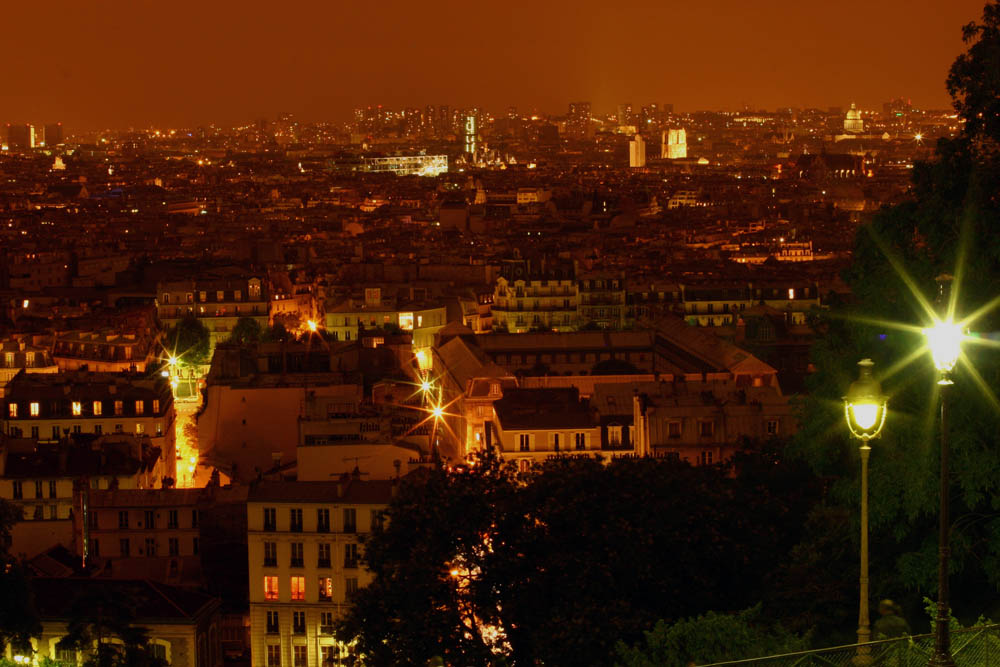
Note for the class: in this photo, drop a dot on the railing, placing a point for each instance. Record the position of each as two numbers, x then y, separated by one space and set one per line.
970 647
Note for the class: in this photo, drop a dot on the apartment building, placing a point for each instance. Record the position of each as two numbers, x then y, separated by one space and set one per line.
49 407
218 299
305 561
534 424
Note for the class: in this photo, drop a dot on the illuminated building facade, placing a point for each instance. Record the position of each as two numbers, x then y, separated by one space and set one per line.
852 122
533 424
541 295
470 134
673 144
218 301
305 562
406 165
637 152
48 407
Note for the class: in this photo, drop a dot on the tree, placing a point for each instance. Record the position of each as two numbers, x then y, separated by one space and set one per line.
18 619
480 565
246 330
189 340
947 227
99 614
709 638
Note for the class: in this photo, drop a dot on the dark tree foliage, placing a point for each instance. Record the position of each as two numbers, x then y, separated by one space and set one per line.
18 619
247 330
709 638
103 613
189 340
480 565
949 227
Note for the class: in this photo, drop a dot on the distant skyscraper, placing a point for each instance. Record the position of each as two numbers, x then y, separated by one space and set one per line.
578 119
444 125
637 152
20 136
53 134
673 144
625 114
853 122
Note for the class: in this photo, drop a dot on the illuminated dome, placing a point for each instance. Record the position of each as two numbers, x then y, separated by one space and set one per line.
853 122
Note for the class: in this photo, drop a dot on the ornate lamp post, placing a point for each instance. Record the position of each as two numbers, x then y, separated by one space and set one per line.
944 340
865 408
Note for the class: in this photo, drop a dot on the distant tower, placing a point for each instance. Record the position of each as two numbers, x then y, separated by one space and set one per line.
853 122
53 134
673 144
20 136
470 134
637 152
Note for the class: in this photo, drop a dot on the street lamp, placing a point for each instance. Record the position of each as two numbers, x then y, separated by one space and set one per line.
865 407
944 341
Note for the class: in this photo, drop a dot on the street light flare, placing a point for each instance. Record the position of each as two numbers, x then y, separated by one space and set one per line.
944 340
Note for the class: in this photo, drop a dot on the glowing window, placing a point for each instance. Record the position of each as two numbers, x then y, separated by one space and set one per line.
271 588
12 410
791 293
156 405
77 408
98 408
119 407
326 588
298 588
406 321
139 406
33 409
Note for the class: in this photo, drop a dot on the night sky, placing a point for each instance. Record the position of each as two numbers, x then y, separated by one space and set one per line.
113 63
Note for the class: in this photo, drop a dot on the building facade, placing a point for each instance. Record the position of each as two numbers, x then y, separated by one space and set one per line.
305 561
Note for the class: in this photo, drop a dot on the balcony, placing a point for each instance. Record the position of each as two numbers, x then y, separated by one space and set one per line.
270 562
350 563
326 629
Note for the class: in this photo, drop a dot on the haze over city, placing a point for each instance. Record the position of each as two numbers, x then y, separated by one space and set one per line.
118 63
500 334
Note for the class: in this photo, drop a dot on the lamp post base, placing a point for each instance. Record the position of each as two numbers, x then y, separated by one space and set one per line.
941 660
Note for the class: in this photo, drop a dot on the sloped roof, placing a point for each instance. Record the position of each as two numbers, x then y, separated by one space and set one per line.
54 597
352 492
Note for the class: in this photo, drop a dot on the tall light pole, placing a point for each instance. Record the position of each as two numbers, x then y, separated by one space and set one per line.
944 340
865 408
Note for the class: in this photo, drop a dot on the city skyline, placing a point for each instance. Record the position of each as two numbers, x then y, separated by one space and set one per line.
192 65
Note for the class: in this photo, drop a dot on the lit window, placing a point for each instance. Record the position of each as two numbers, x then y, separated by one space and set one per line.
406 321
119 408
12 410
156 406
77 408
33 409
298 588
139 429
139 406
98 408
791 293
326 588
271 588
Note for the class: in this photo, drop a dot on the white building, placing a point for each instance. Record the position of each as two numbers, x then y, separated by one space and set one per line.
673 144
305 561
637 152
